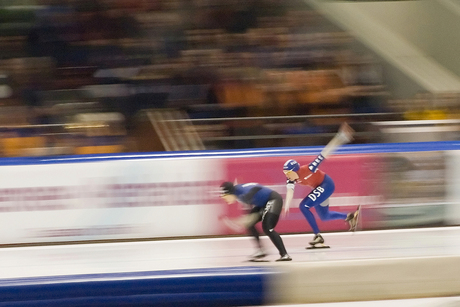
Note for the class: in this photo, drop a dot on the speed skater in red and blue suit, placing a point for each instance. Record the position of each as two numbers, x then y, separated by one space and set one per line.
322 186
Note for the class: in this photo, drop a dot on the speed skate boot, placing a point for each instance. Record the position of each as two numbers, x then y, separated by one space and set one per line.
318 242
260 253
285 257
352 219
318 239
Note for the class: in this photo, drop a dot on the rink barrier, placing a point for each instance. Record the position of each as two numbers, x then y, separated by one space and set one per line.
240 286
366 280
256 152
88 192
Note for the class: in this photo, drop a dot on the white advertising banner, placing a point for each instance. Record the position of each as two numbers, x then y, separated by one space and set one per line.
112 199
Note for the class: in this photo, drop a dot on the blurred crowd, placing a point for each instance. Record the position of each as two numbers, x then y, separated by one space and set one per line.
75 74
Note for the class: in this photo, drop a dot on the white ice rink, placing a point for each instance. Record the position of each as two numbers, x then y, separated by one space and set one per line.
54 260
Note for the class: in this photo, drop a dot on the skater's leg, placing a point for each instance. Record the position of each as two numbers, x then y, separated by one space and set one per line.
309 216
268 224
270 218
253 232
326 215
305 209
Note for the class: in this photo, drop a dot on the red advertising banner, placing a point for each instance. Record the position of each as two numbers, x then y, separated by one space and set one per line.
356 180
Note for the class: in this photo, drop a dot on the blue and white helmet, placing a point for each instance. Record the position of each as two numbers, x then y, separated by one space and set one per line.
291 165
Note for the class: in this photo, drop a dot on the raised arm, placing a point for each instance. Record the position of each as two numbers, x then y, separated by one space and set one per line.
343 136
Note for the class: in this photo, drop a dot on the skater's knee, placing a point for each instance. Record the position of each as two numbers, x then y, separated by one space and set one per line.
305 209
268 227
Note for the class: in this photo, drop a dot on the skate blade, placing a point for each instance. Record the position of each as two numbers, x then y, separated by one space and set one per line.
283 260
357 219
318 246
257 260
